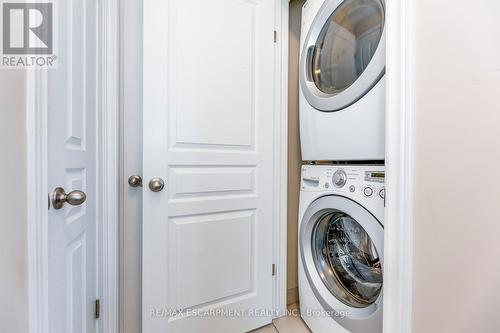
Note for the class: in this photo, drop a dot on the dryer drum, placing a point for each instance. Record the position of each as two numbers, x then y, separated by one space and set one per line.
346 44
346 259
343 56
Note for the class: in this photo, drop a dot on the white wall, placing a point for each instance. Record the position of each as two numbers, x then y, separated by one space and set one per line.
13 220
456 68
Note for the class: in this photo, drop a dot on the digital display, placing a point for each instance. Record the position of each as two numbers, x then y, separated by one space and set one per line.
377 175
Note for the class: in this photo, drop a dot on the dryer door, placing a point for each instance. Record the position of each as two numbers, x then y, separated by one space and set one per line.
341 246
344 54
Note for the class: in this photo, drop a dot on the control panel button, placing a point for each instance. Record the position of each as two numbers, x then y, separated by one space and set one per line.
327 185
352 188
382 193
339 178
368 191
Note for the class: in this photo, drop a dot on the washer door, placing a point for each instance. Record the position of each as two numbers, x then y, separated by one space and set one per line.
344 54
341 246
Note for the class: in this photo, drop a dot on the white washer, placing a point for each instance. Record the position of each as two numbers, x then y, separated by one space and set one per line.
342 82
341 248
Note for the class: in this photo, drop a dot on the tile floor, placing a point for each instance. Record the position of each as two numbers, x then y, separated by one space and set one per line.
289 324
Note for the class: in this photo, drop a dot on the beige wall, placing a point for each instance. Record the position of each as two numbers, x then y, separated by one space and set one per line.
294 158
13 221
457 162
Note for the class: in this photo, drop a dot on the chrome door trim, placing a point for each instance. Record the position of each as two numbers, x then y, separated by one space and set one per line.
359 88
357 318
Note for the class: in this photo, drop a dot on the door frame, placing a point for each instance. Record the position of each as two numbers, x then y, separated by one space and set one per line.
399 169
281 157
37 189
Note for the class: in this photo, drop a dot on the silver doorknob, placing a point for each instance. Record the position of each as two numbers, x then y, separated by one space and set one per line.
135 181
156 184
74 198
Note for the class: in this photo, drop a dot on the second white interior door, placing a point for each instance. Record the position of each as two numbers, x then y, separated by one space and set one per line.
73 231
208 134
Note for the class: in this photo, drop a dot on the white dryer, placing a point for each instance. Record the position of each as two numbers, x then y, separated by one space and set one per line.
342 83
341 248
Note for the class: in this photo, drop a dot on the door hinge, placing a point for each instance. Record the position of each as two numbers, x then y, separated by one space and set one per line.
274 269
97 309
275 36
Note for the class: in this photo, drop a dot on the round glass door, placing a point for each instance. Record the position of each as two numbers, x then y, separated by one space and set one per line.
346 259
346 44
344 54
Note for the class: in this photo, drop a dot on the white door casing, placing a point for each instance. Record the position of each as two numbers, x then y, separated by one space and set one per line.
398 237
208 133
72 164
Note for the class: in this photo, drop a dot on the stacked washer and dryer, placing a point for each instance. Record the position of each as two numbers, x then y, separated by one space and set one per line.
341 210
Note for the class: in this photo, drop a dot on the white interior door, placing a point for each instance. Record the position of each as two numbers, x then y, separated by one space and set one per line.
72 165
208 134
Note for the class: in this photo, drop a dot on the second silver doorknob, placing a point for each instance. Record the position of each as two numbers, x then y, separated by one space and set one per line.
156 184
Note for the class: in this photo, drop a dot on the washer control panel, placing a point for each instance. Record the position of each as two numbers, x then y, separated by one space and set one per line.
364 181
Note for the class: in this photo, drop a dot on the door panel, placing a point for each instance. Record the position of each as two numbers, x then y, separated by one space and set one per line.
72 151
193 182
214 71
225 263
208 132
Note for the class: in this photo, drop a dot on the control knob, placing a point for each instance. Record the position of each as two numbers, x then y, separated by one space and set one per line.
339 178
